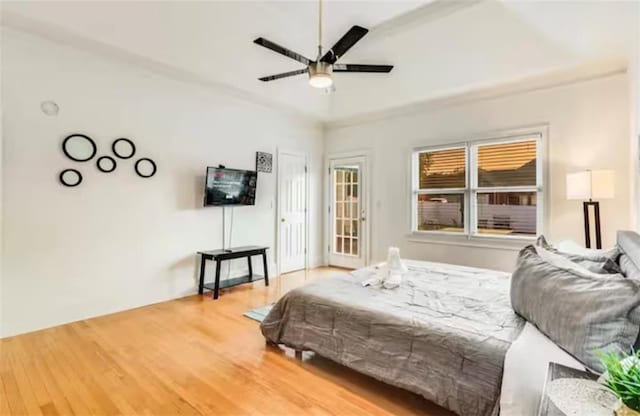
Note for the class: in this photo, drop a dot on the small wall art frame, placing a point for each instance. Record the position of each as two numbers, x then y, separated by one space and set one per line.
70 177
79 147
145 167
123 148
106 164
264 162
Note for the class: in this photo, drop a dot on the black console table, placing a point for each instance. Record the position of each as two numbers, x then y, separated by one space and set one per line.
234 253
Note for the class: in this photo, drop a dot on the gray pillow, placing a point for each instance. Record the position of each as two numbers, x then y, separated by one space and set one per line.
581 311
603 263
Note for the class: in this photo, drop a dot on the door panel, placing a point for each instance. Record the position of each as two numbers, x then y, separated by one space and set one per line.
292 207
347 213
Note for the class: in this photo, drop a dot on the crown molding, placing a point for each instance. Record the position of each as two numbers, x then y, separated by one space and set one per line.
421 15
58 34
552 79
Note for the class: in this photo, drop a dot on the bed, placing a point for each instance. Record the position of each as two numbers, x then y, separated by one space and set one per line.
443 333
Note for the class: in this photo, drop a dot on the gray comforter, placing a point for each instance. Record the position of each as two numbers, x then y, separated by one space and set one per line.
442 334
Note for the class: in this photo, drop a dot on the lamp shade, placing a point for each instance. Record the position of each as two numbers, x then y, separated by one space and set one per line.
591 184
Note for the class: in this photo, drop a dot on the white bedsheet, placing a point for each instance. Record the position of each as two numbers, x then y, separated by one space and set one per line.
525 371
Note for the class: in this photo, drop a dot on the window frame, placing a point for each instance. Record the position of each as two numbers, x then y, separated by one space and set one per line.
472 189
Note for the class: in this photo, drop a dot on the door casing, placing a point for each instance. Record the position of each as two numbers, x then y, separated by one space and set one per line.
367 170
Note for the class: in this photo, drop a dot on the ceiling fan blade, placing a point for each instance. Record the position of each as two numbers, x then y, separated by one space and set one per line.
282 50
361 68
284 75
344 44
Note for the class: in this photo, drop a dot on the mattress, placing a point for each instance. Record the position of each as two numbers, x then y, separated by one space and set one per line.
443 333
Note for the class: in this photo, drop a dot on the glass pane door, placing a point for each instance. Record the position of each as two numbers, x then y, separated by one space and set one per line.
347 246
347 210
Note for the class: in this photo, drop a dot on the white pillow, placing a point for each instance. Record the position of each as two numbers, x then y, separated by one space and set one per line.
564 263
571 247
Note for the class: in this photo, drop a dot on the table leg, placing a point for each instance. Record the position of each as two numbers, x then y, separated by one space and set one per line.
250 268
266 271
201 284
217 283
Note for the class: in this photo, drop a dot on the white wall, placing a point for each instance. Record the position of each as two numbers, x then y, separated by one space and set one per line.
634 92
588 125
118 241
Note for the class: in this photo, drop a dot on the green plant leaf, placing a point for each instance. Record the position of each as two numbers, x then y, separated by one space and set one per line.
623 380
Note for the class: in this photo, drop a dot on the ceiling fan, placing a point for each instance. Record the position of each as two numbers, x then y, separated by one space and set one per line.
321 69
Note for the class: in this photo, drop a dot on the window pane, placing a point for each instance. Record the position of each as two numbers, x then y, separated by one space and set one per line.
338 245
509 164
354 228
507 213
354 247
442 169
339 209
347 246
338 227
441 212
339 176
339 193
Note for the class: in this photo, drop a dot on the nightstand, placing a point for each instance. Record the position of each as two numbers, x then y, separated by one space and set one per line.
556 371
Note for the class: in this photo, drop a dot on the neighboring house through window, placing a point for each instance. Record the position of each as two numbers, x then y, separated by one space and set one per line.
479 188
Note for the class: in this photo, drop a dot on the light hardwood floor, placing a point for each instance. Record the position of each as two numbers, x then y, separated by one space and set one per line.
190 356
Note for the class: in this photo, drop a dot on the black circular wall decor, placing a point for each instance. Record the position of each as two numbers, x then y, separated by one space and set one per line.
79 147
70 177
141 163
120 143
106 164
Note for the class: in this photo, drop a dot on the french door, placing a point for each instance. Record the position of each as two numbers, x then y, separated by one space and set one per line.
292 211
348 216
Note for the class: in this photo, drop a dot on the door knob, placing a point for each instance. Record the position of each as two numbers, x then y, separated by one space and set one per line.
282 220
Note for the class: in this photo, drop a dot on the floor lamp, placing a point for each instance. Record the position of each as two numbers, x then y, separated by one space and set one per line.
590 186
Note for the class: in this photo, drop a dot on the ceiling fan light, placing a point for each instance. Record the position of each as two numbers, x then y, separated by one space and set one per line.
320 81
320 75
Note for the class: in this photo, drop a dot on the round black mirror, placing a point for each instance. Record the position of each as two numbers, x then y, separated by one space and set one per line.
123 148
145 167
106 164
70 177
79 147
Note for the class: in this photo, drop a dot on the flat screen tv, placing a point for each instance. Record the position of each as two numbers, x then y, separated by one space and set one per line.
230 187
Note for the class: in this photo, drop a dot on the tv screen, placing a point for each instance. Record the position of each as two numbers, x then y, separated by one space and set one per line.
230 187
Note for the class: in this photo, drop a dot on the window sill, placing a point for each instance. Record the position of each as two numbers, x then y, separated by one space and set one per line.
491 242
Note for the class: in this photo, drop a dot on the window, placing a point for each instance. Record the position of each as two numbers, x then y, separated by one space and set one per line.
484 188
442 183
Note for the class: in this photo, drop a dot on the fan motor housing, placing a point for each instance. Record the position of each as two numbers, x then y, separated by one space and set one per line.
319 69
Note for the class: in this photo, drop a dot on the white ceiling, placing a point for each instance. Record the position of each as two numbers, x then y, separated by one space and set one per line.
439 47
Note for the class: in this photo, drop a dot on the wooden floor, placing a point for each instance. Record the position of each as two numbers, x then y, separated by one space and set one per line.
189 356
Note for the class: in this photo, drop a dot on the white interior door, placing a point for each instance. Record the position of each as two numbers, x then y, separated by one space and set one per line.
292 211
348 203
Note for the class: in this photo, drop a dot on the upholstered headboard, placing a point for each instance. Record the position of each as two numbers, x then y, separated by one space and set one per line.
629 244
